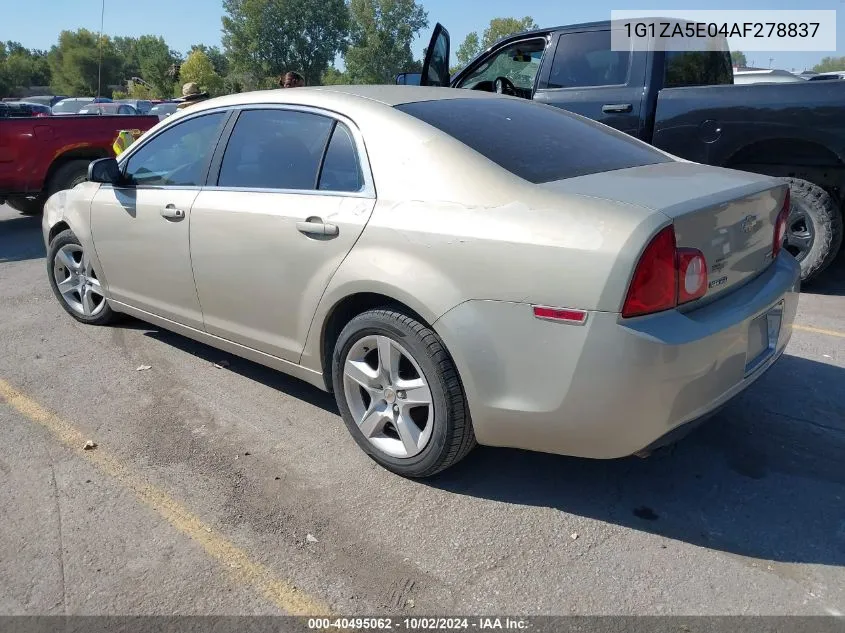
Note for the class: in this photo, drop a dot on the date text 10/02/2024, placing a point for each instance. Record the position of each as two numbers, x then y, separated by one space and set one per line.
419 623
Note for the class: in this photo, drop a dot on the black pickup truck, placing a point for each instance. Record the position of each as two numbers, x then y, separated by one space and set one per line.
685 103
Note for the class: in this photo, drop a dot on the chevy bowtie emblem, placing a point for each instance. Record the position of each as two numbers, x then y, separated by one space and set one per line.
748 223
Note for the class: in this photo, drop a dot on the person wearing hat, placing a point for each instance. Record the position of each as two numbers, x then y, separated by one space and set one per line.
190 95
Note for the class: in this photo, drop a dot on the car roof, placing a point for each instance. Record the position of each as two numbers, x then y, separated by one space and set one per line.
388 95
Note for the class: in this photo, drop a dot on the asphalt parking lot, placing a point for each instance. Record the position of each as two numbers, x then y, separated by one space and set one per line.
224 487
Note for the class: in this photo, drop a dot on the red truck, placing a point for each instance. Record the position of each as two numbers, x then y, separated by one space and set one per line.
40 156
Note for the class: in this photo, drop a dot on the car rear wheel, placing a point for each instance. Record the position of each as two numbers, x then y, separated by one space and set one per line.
813 229
74 281
400 395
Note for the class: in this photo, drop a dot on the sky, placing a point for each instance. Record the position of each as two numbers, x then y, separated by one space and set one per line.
186 22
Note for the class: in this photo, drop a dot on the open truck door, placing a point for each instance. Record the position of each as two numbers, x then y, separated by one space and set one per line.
435 70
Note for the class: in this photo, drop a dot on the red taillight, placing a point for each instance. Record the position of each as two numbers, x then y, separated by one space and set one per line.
655 283
780 226
665 276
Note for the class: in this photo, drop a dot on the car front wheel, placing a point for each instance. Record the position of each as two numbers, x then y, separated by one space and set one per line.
74 281
399 393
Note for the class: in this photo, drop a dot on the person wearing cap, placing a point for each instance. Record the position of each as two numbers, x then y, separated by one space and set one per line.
190 95
291 80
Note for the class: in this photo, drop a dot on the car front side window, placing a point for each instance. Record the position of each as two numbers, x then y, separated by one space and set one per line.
178 156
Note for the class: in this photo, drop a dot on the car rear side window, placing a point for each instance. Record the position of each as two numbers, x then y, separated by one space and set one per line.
275 149
536 142
341 170
586 59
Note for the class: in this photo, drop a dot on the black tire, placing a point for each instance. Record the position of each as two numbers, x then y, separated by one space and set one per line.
27 206
814 216
68 176
452 436
106 315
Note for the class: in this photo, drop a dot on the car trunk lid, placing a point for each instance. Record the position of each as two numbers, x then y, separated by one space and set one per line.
728 215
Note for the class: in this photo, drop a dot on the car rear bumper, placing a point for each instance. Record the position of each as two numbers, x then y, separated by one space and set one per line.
613 386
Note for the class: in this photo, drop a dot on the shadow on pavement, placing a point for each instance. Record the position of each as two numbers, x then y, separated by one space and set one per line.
831 281
20 239
764 479
253 371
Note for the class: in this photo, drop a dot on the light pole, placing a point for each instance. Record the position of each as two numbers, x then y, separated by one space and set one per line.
100 47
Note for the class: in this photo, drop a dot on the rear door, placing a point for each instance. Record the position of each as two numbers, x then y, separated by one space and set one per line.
587 77
288 197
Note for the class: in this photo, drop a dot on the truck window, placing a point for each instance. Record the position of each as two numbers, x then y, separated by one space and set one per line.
518 62
585 59
697 68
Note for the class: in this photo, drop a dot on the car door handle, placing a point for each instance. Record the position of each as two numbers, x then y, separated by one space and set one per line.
172 213
611 108
315 226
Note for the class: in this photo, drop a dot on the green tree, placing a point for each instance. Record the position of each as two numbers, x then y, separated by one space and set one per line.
199 69
381 36
829 64
738 59
502 27
74 63
149 58
266 38
468 49
217 57
21 68
334 77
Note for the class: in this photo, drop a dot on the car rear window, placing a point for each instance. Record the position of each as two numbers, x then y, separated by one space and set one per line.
536 142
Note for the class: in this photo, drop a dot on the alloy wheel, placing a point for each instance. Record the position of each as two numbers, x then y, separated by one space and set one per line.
388 396
77 282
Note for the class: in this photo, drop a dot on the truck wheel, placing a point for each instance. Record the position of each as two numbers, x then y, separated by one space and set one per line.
27 206
814 227
68 176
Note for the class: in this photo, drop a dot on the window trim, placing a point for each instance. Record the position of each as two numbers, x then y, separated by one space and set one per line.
133 149
548 88
367 191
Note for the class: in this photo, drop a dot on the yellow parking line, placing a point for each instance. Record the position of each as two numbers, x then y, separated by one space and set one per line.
816 330
236 561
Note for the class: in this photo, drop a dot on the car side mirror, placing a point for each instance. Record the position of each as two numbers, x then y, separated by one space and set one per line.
104 170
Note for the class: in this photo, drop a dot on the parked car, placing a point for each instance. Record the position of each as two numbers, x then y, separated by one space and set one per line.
39 156
765 76
165 109
684 103
23 108
425 253
143 106
73 105
108 108
828 75
47 100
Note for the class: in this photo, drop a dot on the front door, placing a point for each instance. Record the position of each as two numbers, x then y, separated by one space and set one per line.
435 71
291 199
141 229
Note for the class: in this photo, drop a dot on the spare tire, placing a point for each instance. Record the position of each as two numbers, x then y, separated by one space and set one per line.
814 228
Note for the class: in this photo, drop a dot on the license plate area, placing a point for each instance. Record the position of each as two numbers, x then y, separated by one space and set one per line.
763 334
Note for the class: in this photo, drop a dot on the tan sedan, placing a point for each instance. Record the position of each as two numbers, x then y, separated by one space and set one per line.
455 266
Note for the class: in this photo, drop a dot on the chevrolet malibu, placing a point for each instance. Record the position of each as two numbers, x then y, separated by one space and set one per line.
458 267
